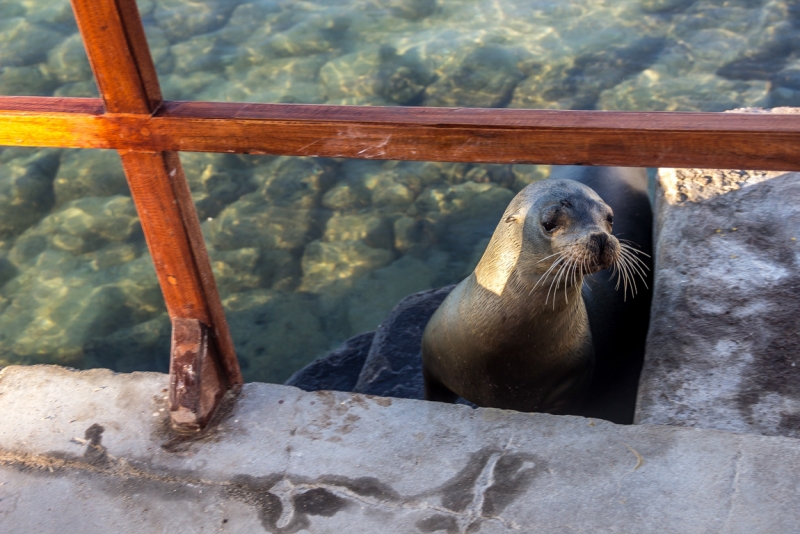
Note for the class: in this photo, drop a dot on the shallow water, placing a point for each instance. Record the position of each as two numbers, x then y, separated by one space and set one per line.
310 251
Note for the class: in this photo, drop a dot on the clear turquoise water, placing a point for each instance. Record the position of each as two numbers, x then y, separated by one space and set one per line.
308 252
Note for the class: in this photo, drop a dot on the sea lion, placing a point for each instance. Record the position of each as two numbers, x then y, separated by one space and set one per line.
547 319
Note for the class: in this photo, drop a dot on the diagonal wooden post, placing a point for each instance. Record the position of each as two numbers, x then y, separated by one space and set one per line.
203 363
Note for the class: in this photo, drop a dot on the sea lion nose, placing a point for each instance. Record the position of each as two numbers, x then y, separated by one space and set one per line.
600 240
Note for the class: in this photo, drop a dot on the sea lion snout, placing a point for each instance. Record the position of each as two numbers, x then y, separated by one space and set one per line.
604 248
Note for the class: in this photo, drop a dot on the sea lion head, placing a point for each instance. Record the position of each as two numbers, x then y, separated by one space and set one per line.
558 229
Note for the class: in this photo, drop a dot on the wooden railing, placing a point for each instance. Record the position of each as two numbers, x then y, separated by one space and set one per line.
132 118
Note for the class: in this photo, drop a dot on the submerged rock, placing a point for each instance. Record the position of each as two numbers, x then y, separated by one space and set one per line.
275 332
375 294
313 35
413 9
68 62
142 347
333 266
785 86
594 72
486 79
31 80
23 42
26 188
85 173
81 226
248 223
374 230
181 19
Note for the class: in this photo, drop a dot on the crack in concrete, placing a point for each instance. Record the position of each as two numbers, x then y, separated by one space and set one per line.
285 489
735 486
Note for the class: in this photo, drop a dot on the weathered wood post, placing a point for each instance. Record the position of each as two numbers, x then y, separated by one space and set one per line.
203 363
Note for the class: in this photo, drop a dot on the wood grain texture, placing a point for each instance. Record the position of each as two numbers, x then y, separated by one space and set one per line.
709 140
114 40
196 383
167 239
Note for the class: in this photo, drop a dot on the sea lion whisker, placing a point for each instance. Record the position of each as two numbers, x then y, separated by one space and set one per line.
631 278
570 275
624 278
556 281
556 262
567 274
628 251
614 270
584 272
550 256
631 257
630 245
636 268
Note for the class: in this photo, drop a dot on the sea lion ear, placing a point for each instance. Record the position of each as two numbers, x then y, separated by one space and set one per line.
514 217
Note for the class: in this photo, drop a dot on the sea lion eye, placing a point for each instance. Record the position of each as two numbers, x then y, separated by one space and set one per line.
549 226
610 219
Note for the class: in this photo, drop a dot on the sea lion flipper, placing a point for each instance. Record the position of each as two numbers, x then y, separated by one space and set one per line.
436 391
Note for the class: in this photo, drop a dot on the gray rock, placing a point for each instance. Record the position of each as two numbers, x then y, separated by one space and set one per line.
89 452
393 367
338 370
722 350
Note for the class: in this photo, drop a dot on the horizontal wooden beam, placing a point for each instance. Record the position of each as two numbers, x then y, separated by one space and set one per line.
651 139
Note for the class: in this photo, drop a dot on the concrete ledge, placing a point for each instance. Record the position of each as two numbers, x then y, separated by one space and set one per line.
88 452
